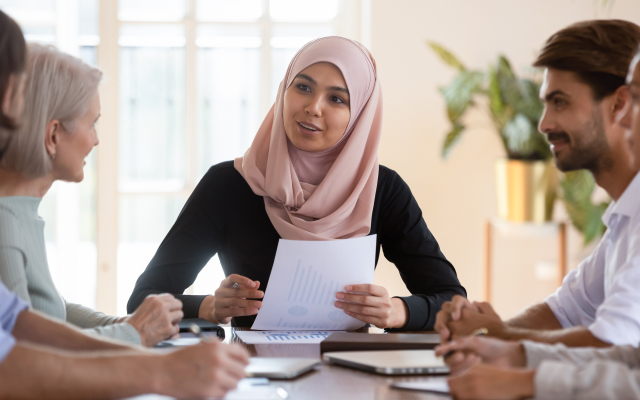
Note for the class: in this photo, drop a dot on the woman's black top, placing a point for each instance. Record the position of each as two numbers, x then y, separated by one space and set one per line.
223 216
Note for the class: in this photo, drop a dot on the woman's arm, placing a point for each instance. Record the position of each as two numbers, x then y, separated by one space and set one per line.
98 323
407 242
35 327
85 317
194 238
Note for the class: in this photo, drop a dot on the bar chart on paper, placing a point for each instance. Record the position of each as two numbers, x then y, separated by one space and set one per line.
305 279
308 289
292 337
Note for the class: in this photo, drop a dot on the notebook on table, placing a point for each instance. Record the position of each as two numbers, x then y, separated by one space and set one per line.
390 362
351 341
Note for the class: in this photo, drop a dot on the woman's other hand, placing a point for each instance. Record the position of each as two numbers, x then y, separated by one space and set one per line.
156 319
230 302
374 306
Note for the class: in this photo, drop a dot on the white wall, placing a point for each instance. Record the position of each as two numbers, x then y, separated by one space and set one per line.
457 195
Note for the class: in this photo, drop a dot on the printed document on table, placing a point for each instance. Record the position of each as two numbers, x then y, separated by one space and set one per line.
305 278
295 337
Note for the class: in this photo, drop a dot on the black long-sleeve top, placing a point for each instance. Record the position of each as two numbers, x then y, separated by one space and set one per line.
223 216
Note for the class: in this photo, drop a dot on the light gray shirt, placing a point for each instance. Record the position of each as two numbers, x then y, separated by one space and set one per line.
584 373
24 270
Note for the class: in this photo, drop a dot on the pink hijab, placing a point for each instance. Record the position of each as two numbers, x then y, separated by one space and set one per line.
329 194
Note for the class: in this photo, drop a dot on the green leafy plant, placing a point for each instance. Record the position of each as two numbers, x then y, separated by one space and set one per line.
515 109
576 188
513 104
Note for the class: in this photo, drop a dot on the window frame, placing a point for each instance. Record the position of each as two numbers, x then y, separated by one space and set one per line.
353 21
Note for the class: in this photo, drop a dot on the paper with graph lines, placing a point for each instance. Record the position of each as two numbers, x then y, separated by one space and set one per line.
305 278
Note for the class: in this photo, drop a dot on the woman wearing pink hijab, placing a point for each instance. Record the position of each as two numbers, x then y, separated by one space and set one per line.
311 173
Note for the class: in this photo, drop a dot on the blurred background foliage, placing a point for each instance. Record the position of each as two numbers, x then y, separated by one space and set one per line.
576 190
515 109
513 106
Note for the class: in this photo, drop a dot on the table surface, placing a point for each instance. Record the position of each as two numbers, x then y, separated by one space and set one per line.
334 382
327 381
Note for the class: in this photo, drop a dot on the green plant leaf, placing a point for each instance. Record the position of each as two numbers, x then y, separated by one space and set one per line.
521 94
495 98
531 105
594 227
459 94
576 190
446 56
510 88
452 137
518 133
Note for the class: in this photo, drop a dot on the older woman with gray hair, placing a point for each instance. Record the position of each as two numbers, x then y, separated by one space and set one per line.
61 108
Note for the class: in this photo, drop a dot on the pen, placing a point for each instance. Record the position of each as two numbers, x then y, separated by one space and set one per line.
477 332
195 329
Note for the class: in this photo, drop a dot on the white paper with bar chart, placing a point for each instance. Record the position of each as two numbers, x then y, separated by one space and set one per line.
305 278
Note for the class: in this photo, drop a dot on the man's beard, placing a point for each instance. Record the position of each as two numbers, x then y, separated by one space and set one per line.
588 148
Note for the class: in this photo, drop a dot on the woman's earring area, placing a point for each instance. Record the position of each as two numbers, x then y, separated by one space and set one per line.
53 156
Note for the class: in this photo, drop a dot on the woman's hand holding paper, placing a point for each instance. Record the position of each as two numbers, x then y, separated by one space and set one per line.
372 304
232 301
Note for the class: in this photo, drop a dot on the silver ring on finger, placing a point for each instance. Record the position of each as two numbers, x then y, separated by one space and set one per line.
236 285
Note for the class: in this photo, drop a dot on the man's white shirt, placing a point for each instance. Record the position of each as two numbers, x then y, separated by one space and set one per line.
604 292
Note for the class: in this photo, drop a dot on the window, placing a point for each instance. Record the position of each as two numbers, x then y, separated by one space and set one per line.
68 209
186 85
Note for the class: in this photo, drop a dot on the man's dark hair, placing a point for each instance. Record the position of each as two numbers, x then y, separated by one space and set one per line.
598 52
13 61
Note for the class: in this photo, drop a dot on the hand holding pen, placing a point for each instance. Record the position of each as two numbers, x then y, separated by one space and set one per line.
195 329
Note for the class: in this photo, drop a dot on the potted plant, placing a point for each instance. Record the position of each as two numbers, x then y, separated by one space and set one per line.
526 179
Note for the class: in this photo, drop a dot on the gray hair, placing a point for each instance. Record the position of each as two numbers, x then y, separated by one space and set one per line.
59 87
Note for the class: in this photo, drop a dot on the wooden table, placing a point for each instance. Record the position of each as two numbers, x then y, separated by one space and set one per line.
326 382
332 382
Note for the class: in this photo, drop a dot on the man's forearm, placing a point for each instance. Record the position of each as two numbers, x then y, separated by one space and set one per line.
573 337
34 372
539 324
33 327
537 317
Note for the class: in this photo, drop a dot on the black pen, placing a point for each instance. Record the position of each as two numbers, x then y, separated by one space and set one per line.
477 332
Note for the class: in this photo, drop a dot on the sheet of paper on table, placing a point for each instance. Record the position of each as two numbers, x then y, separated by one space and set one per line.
294 337
179 342
251 389
248 389
305 278
434 385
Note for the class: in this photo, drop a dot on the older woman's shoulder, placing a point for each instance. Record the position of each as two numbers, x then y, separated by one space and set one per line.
11 226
